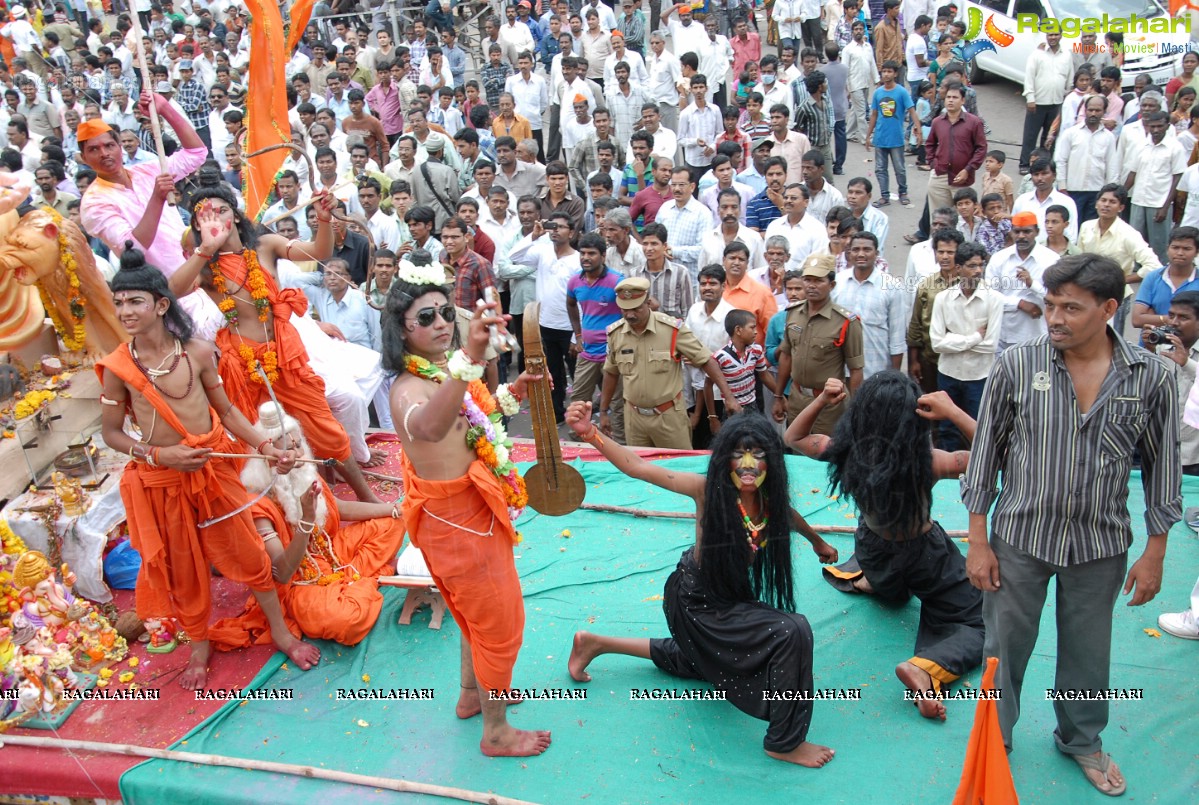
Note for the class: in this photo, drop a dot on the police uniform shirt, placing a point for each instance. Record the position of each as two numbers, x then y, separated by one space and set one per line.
823 344
652 375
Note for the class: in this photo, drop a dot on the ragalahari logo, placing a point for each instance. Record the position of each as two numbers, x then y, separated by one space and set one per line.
995 36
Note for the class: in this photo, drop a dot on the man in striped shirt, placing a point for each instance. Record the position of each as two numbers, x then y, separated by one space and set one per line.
591 305
1061 417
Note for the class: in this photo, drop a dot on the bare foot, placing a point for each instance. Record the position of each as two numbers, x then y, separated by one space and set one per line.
861 585
510 742
196 673
584 650
378 458
470 705
814 756
918 680
304 655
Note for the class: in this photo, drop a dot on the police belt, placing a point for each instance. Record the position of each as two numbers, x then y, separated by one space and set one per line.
656 410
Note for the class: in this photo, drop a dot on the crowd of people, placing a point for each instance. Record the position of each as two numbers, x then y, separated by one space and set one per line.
673 189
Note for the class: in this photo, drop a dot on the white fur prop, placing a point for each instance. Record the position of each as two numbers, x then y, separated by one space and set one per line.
288 488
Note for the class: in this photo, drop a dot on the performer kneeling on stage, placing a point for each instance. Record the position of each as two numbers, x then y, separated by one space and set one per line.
168 381
326 569
729 603
462 491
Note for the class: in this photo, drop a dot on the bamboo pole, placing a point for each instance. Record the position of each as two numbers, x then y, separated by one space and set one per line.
820 529
293 769
324 462
148 88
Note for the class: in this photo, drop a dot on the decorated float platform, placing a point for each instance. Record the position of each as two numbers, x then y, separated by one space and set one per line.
604 571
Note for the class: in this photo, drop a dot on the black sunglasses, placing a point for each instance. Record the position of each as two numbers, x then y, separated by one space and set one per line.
426 315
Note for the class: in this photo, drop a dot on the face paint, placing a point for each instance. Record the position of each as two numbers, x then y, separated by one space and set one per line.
749 462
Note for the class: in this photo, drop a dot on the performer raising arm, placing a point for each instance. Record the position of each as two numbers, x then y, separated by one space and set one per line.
234 264
169 382
462 491
728 604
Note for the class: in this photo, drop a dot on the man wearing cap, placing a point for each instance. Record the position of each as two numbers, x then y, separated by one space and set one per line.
821 340
436 184
129 203
1016 272
646 350
638 75
24 39
194 100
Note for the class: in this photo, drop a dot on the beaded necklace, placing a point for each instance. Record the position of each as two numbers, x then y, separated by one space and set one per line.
153 374
752 530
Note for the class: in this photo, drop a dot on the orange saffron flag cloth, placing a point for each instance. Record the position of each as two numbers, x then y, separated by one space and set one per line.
463 530
343 611
986 775
300 11
266 111
164 508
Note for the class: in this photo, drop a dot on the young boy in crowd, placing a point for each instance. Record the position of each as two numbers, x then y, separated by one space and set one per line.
965 201
995 181
742 361
995 231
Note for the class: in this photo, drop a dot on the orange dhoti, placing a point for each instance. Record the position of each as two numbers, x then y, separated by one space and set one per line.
463 530
298 388
344 610
164 508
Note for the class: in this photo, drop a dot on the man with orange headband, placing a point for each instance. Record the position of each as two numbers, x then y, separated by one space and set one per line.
132 202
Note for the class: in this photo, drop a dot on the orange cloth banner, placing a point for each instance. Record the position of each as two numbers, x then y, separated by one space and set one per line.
300 11
986 775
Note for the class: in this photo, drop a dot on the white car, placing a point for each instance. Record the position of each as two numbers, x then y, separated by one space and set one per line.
1162 63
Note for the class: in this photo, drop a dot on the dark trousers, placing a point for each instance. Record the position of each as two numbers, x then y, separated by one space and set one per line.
556 345
206 137
966 394
813 35
720 98
540 144
1085 596
840 146
555 144
930 567
1036 129
701 434
1085 201
925 222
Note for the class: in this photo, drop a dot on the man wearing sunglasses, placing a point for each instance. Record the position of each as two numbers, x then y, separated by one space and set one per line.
218 99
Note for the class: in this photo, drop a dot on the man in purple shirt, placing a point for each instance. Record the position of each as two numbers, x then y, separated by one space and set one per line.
591 305
384 100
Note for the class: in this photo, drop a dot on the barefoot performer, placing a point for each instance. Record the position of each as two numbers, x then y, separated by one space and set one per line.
882 457
461 489
169 383
728 604
234 263
325 568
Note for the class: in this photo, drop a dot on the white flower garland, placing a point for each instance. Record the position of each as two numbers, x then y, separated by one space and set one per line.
508 401
421 275
461 367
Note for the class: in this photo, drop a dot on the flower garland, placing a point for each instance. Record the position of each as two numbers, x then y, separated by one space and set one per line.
310 571
486 435
260 293
75 337
32 402
413 274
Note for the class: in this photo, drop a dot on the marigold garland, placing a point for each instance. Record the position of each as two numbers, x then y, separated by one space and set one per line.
486 435
260 293
320 546
32 402
75 337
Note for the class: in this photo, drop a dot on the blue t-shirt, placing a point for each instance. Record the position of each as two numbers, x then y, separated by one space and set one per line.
1157 293
892 106
597 310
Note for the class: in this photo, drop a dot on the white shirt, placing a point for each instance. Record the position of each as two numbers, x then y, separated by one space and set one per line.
666 143
715 60
1001 277
637 72
916 46
1048 76
532 97
780 92
820 203
685 39
1030 203
883 312
427 78
384 230
665 73
712 249
957 318
785 10
515 38
552 275
1156 166
1086 160
863 71
607 20
922 262
1189 184
805 237
709 329
696 124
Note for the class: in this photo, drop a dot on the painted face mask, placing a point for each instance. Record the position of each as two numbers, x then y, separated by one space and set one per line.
748 463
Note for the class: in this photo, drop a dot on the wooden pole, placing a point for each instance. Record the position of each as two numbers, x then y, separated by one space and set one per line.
820 529
293 769
326 462
148 87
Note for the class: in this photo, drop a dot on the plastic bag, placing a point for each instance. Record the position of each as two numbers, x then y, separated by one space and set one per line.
121 566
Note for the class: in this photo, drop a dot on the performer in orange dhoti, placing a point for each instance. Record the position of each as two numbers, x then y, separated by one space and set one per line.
326 570
234 263
171 488
462 490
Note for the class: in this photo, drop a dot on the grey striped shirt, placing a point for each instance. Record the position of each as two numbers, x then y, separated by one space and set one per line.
1065 474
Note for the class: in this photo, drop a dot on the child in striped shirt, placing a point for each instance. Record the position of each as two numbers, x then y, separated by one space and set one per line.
742 361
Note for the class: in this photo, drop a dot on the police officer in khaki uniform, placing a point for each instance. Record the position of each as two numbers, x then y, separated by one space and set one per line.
821 340
646 350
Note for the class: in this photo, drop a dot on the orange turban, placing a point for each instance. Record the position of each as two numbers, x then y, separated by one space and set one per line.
1024 219
90 128
580 98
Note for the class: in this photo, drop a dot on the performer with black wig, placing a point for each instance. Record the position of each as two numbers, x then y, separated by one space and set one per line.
882 457
462 491
168 382
233 261
729 604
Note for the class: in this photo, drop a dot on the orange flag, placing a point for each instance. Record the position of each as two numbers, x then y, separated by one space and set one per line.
266 112
301 10
986 776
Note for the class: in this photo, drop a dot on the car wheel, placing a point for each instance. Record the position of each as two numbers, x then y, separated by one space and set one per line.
977 75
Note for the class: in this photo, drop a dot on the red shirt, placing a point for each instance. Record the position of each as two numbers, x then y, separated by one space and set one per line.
952 147
648 201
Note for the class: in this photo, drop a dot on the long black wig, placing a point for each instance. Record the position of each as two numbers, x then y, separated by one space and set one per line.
725 553
881 453
135 275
